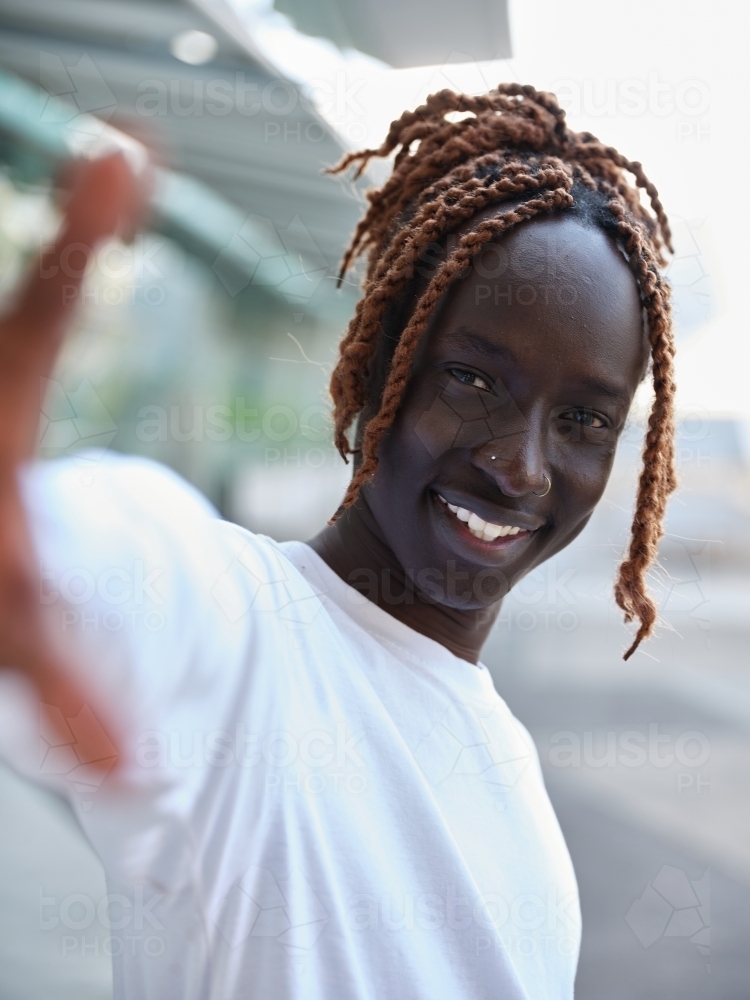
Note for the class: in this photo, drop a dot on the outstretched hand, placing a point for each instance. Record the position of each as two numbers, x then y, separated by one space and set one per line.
103 199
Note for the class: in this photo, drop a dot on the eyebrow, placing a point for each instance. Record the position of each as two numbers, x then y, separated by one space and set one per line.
596 385
463 336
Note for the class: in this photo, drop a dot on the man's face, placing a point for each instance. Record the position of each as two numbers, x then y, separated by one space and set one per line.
523 380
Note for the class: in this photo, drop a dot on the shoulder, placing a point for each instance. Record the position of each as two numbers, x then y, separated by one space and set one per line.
129 515
112 482
120 518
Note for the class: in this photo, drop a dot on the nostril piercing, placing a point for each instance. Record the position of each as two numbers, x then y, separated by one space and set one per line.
492 458
546 491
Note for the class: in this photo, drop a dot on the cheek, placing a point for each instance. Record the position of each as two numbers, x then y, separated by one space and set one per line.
584 472
406 456
426 427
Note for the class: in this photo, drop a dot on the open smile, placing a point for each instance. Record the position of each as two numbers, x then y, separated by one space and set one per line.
485 531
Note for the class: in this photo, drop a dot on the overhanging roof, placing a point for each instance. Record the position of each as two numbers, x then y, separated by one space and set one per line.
230 124
408 32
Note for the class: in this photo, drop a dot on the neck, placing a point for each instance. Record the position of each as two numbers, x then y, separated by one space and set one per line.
355 549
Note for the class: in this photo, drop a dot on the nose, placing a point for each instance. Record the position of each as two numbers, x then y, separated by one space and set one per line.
516 464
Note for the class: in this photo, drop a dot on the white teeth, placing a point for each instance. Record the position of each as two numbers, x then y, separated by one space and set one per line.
485 530
476 523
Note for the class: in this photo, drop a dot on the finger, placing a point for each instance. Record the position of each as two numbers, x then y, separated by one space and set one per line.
103 198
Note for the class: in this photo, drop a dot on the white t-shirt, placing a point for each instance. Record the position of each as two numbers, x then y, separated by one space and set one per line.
319 802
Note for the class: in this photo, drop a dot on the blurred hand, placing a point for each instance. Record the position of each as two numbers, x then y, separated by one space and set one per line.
102 199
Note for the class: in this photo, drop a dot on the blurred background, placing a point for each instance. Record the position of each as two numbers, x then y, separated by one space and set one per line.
207 345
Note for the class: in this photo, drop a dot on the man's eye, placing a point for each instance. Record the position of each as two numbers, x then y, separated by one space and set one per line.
469 378
585 418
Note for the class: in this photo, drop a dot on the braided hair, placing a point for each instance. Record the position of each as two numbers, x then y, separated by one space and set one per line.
456 155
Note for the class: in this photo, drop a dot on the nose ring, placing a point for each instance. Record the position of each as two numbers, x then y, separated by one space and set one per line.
549 481
549 487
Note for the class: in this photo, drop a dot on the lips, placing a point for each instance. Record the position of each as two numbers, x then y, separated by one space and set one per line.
485 531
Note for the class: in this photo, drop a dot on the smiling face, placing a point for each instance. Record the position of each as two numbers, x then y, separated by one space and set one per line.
524 379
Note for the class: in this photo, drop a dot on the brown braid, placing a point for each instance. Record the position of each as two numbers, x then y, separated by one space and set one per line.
511 145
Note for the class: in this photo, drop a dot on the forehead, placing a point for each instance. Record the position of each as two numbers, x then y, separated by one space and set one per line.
554 288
